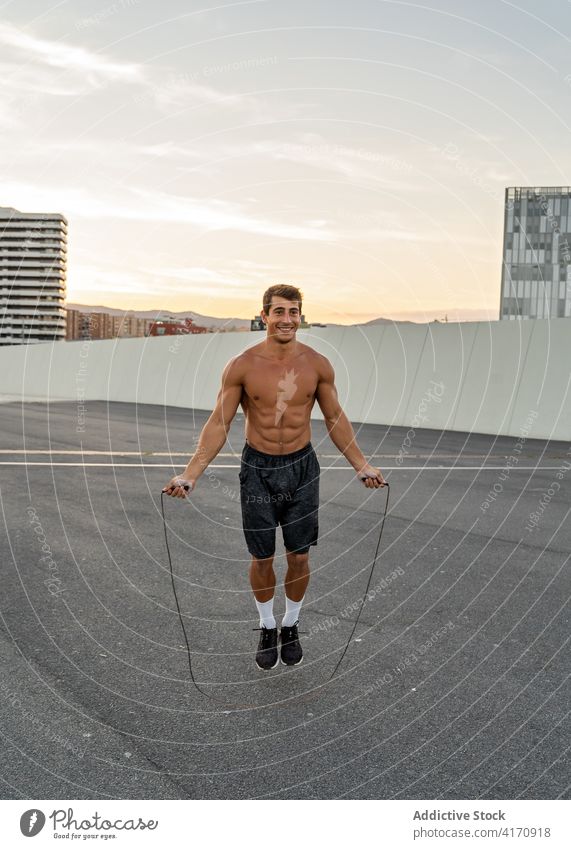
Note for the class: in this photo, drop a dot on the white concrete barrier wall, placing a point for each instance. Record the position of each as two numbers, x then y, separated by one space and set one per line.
481 377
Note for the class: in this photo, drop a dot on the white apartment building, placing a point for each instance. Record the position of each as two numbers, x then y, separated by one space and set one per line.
33 252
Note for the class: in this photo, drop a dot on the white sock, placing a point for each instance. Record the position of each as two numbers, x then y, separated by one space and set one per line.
266 611
292 612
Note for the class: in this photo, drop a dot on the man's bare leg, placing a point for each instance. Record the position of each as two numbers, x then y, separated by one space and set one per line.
263 582
263 578
297 575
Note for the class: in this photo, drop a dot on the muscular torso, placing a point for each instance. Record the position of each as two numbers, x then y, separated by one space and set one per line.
277 399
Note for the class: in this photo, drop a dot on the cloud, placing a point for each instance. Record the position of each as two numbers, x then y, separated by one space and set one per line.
193 280
58 54
197 274
217 215
177 92
139 204
90 278
415 235
34 69
355 163
121 152
360 165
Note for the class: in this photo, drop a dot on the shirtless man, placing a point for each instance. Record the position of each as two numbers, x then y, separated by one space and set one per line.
277 383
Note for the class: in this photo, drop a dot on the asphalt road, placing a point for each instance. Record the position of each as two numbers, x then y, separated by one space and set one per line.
456 685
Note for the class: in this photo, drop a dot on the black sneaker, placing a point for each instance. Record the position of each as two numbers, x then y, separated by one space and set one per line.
291 651
267 654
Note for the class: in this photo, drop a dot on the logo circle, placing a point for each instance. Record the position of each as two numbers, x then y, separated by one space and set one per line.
32 822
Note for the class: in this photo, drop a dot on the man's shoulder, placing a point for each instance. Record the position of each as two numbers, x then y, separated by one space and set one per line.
245 358
245 361
312 354
319 361
236 367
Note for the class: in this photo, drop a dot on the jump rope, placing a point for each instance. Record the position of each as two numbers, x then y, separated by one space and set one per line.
337 665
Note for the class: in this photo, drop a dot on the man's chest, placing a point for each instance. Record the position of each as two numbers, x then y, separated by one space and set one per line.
281 385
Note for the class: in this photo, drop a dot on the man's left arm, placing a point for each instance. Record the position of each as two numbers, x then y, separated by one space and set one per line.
340 428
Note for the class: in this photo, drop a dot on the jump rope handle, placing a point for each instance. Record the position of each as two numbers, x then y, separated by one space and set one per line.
185 486
368 477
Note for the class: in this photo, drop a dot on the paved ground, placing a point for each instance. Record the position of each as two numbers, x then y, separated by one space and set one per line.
456 687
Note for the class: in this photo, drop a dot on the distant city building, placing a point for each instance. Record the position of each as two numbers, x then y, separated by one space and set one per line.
175 327
86 325
103 325
73 324
99 325
131 326
536 269
33 254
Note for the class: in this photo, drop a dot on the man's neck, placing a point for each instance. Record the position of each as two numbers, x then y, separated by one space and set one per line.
281 352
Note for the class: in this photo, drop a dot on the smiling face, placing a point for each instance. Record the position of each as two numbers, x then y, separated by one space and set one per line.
282 320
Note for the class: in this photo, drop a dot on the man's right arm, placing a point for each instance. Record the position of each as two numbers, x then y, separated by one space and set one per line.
215 431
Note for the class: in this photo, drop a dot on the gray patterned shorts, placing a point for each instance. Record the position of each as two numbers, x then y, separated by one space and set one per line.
279 489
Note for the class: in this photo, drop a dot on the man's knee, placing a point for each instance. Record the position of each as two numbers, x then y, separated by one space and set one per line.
263 564
298 559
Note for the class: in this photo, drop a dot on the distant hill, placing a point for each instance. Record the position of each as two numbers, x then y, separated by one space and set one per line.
383 321
210 320
201 320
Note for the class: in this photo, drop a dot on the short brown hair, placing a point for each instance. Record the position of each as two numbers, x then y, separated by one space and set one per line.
290 293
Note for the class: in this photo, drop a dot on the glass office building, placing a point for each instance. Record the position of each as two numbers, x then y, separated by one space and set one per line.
536 269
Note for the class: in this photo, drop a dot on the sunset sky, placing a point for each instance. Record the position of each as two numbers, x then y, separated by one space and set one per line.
202 151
